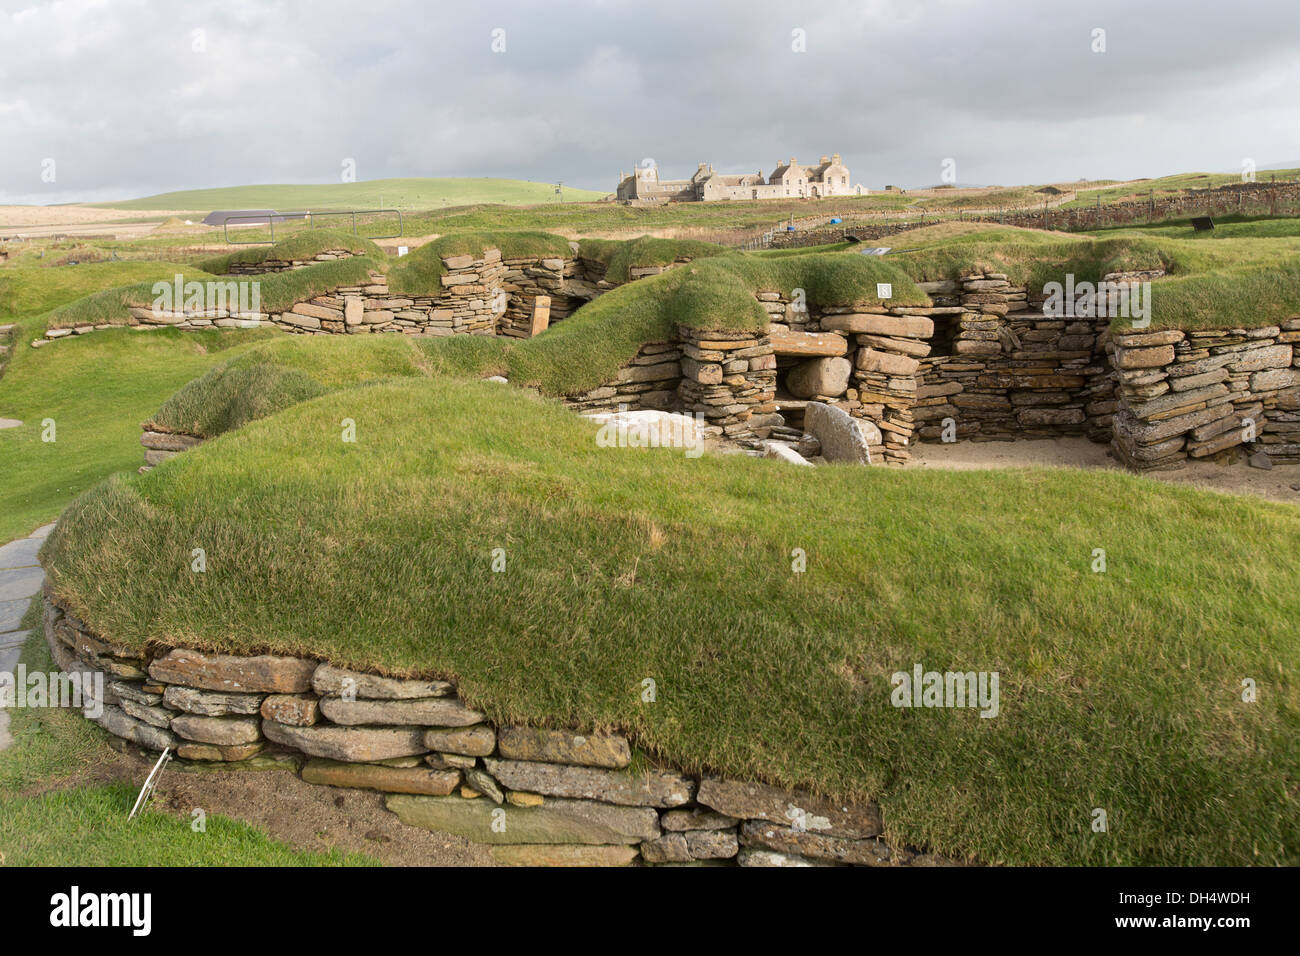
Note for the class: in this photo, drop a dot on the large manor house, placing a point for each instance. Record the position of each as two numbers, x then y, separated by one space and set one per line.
789 180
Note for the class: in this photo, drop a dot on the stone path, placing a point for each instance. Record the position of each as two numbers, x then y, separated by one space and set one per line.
20 578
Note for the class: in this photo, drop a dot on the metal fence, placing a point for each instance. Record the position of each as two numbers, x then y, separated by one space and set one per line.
310 218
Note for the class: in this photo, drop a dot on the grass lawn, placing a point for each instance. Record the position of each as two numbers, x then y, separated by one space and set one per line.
1119 690
411 193
1250 279
46 822
30 290
98 389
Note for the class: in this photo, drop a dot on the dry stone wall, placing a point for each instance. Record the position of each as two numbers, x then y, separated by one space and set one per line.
650 381
537 796
730 379
160 445
1198 394
479 295
1000 368
285 265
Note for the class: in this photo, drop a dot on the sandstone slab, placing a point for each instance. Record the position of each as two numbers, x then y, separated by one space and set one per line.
809 343
216 753
888 363
297 710
696 818
222 731
843 438
651 788
756 801
207 703
814 846
907 326
556 821
1152 357
429 712
119 723
563 855
356 744
712 844
369 776
558 746
1254 360
331 681
669 848
470 741
280 675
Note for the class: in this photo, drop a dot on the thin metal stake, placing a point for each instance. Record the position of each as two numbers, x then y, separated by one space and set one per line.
150 782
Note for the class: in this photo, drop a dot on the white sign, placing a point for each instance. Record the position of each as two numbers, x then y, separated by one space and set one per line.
401 250
884 290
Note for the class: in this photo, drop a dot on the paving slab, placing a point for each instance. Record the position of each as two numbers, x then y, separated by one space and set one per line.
9 655
20 578
11 612
20 553
18 583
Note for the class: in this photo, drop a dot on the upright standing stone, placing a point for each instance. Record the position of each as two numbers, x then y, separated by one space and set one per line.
541 315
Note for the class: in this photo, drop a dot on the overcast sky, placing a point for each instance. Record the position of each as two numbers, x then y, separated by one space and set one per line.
134 97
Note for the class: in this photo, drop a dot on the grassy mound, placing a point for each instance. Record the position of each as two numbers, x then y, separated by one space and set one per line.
30 290
1250 280
300 245
267 378
620 256
1118 690
574 356
279 291
421 272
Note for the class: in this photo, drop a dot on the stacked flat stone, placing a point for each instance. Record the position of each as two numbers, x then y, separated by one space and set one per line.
143 318
1013 372
484 295
650 381
159 445
1197 394
524 281
285 265
729 378
785 315
889 346
538 797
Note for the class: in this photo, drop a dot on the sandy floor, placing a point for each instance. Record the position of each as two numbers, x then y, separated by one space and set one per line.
1281 483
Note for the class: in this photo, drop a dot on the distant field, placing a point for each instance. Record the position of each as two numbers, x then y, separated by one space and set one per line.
372 194
1166 185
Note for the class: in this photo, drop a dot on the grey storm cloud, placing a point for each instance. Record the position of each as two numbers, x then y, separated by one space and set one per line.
134 97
